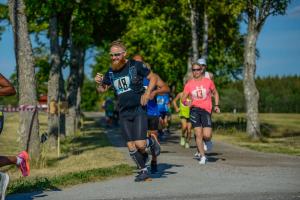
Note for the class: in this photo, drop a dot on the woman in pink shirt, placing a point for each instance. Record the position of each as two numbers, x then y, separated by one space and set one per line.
201 90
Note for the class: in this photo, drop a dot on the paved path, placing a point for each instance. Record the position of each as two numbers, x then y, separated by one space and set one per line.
231 173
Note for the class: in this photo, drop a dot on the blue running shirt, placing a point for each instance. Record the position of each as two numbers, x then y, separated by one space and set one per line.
152 109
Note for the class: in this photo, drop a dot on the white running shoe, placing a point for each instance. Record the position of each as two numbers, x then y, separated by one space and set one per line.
182 141
197 155
202 160
3 184
187 145
204 146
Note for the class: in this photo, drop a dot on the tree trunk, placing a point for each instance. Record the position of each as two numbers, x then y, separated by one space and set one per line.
26 79
195 51
62 97
194 15
205 35
250 90
79 92
74 83
53 83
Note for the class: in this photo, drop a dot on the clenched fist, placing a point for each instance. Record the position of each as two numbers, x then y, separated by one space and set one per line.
99 78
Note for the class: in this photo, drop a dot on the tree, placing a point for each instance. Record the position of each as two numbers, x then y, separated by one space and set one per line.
3 16
256 13
29 126
158 31
194 18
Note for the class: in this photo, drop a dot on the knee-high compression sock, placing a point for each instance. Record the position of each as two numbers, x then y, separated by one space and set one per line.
138 158
145 157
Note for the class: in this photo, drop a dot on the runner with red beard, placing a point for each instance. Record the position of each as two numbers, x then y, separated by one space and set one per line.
126 78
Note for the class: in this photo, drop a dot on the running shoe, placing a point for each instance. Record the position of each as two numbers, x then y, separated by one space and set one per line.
24 165
187 145
197 155
153 167
203 160
204 146
208 145
182 141
155 147
142 176
3 184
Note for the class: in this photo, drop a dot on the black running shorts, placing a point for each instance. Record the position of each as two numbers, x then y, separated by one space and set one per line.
200 118
134 127
153 122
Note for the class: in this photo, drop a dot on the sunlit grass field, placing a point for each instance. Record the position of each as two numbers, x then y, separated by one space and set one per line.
280 132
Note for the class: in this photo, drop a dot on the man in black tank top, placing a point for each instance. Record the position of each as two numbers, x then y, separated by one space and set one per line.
126 78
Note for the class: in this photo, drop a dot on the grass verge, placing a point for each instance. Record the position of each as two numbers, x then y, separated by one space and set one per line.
85 157
53 183
280 132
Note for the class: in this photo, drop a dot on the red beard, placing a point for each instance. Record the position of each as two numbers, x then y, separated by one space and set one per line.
118 65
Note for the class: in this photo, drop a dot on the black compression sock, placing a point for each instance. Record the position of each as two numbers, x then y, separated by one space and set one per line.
138 158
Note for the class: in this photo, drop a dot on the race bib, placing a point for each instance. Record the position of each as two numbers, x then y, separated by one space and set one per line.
199 93
122 84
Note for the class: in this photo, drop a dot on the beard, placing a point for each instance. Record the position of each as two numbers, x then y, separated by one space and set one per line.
117 65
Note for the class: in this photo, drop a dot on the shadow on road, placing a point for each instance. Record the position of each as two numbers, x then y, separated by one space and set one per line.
164 170
214 157
31 195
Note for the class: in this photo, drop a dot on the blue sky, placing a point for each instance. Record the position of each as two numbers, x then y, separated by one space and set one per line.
278 43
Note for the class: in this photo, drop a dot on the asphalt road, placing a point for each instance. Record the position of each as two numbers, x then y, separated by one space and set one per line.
231 173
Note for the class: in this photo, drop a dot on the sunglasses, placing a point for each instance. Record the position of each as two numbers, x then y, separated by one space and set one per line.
116 54
196 70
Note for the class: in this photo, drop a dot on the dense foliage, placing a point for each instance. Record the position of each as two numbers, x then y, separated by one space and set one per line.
277 94
161 32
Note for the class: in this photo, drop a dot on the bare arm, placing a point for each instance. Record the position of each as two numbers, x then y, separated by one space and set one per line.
178 96
184 98
6 88
162 88
152 83
216 97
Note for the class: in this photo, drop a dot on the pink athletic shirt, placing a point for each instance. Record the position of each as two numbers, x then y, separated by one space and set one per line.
200 92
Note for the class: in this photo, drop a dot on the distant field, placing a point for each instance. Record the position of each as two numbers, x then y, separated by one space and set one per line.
280 132
272 124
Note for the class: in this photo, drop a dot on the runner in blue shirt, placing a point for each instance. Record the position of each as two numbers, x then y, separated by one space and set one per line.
163 103
152 110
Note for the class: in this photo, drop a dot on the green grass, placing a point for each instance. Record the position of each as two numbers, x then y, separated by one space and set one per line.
86 157
280 132
52 183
